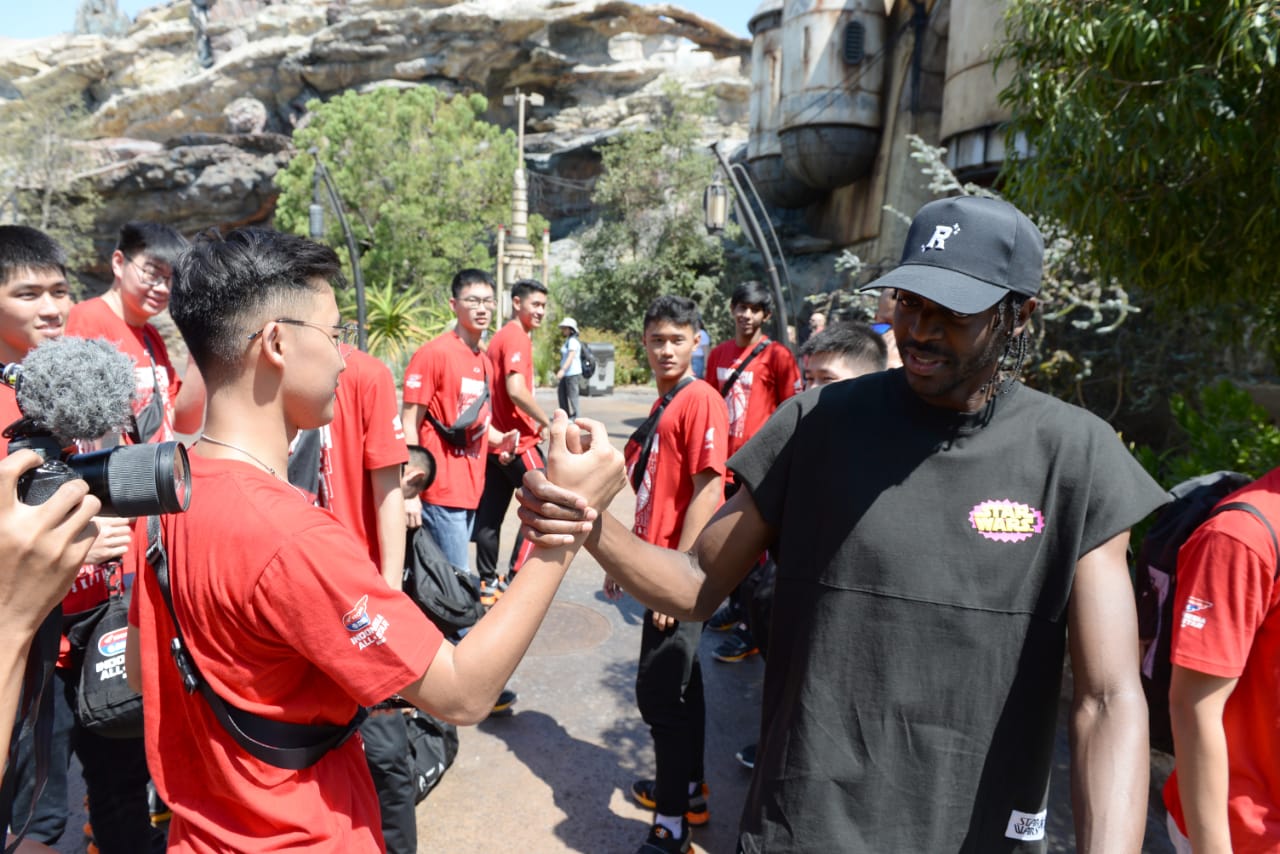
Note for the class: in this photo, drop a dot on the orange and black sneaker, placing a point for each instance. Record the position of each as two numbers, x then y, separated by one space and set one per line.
697 813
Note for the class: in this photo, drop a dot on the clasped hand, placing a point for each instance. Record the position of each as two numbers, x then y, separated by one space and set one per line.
584 472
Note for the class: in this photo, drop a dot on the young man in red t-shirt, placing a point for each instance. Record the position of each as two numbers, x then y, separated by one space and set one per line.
511 373
444 381
768 376
142 266
1224 698
677 467
280 606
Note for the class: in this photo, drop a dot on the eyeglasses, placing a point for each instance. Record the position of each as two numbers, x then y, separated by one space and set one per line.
344 334
150 276
478 302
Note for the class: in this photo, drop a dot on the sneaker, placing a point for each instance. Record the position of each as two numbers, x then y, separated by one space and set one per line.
747 756
505 701
660 841
696 814
725 618
491 592
737 647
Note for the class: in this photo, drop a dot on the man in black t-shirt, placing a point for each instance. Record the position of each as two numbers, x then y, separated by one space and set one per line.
926 593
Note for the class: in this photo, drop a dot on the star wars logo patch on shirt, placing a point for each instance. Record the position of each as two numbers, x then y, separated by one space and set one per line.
1191 617
1026 826
1006 521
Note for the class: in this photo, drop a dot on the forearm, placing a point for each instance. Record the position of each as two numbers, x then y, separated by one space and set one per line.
13 663
463 682
1109 770
188 406
667 581
525 401
1203 770
391 523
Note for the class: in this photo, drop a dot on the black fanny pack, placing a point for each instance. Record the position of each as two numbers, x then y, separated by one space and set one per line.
459 435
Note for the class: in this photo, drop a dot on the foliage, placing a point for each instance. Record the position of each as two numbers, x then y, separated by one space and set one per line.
1226 431
42 171
423 180
397 322
1154 129
650 238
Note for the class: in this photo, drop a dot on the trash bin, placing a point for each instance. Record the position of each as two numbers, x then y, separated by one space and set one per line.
601 381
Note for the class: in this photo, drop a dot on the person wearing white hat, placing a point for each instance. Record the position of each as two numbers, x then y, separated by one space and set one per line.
570 370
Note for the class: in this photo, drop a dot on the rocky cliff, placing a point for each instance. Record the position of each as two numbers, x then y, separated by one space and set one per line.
193 107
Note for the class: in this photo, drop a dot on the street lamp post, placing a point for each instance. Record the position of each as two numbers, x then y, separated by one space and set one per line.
316 212
716 211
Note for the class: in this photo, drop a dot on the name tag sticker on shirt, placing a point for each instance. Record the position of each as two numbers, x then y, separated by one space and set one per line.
1026 826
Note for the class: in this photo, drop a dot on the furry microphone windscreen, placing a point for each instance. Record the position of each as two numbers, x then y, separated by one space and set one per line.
77 388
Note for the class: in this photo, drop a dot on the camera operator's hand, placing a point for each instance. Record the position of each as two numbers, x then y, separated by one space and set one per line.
41 547
114 535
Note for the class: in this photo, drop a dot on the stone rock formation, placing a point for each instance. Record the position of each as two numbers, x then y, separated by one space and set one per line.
200 146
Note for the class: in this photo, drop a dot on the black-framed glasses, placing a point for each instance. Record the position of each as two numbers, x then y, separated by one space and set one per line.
345 333
479 302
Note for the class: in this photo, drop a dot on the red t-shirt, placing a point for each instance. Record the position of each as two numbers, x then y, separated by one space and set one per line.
511 352
365 435
286 618
768 380
446 376
95 319
691 438
1229 604
9 413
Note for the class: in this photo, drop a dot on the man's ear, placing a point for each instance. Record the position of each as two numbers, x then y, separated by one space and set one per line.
413 480
1024 315
117 264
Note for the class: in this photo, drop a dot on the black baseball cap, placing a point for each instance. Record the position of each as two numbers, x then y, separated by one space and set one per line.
966 253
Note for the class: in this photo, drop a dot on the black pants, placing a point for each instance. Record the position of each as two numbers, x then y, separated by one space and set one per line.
386 749
500 482
669 694
115 776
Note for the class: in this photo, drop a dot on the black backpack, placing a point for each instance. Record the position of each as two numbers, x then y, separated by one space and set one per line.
449 596
1194 501
588 360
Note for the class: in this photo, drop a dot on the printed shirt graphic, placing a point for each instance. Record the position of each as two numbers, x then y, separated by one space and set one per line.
1005 521
691 438
281 610
95 319
771 378
511 352
446 377
365 435
1227 603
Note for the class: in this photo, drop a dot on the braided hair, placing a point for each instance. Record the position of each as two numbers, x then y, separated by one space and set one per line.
1016 347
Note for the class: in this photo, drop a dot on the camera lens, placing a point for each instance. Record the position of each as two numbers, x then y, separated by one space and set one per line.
137 480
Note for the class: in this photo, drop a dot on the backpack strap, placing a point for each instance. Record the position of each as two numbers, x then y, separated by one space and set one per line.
647 432
283 744
1257 514
742 366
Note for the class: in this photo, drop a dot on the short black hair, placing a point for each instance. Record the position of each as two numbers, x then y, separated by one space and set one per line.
524 287
681 311
470 276
224 285
752 293
856 342
161 242
25 248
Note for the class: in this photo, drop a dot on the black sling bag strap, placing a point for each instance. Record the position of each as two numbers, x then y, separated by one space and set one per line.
737 372
457 434
648 431
283 744
1257 514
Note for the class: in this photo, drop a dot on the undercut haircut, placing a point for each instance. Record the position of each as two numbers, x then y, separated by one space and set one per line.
465 278
855 342
23 248
224 286
161 242
754 294
681 311
524 287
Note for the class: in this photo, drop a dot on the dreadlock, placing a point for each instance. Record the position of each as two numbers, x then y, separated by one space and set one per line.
1016 347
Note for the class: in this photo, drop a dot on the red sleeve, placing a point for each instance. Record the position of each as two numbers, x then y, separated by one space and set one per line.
419 385
707 437
1223 591
370 639
384 442
786 373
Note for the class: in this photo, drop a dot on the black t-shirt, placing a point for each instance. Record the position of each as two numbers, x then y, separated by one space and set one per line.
925 561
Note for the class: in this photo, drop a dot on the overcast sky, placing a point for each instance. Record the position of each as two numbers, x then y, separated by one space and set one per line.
24 20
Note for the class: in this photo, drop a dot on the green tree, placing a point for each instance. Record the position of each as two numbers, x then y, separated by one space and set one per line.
44 171
650 239
423 179
1154 131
